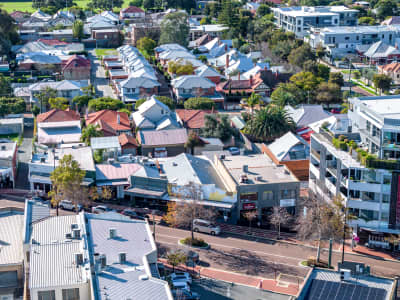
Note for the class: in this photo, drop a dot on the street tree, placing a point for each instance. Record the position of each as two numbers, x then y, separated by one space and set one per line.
299 55
105 103
250 216
253 100
176 258
287 94
81 101
175 29
328 93
89 132
280 216
77 30
382 82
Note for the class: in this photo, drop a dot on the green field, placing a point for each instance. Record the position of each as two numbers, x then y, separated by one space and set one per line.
27 5
101 52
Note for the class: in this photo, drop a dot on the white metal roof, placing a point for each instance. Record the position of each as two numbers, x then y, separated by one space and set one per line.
11 229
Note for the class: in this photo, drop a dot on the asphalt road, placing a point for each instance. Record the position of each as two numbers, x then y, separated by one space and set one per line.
264 259
98 77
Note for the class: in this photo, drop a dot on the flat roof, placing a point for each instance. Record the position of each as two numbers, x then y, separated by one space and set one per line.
258 165
385 106
7 149
11 229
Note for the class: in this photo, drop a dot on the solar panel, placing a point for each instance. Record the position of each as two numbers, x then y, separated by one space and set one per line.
329 290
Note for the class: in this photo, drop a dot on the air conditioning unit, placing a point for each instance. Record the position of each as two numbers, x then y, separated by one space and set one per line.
345 274
78 259
113 233
103 261
76 233
122 257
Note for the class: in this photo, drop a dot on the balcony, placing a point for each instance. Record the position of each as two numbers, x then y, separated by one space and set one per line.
391 145
374 138
316 154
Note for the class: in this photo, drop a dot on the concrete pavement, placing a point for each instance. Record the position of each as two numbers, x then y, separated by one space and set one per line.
24 156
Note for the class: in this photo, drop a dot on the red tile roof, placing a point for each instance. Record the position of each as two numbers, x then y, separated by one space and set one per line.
393 67
52 42
107 120
240 85
76 61
125 139
132 9
192 118
57 115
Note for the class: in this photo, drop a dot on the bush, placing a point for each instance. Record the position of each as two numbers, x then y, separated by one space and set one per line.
312 262
195 242
199 103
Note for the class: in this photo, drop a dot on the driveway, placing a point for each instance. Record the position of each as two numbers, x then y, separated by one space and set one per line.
24 156
98 77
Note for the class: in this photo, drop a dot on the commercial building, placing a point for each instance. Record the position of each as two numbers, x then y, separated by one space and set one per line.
299 19
259 184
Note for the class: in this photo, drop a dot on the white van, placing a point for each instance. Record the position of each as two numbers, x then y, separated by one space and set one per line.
205 226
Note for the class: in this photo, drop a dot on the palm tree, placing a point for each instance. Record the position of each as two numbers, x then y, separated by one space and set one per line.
269 123
253 100
89 132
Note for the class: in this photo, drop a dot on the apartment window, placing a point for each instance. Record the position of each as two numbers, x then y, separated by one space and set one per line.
248 196
347 38
298 29
294 155
369 196
369 215
385 216
385 198
335 21
288 194
390 37
70 294
383 36
334 39
47 295
268 195
357 38
299 22
387 179
368 126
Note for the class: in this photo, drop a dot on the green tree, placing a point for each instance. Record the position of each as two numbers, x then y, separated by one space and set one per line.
286 94
8 33
146 45
66 180
199 103
386 8
77 30
218 127
263 10
176 258
147 4
35 110
203 59
175 29
139 102
229 14
137 3
307 82
328 93
323 72
269 123
366 21
320 51
59 103
5 86
180 68
253 100
336 78
382 82
81 101
193 141
44 95
89 132
167 101
205 20
105 4
105 103
299 55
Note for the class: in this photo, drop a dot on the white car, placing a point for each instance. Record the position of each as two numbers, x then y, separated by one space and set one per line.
181 276
182 285
205 226
234 150
68 205
99 209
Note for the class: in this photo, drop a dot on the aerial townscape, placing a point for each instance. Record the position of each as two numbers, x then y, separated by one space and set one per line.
199 149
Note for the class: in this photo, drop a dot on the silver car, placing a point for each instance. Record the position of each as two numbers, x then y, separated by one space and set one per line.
205 226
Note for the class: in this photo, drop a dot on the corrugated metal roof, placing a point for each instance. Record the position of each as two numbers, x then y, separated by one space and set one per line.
116 171
11 228
105 142
163 137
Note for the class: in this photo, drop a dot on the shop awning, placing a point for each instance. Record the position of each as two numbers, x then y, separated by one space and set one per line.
145 192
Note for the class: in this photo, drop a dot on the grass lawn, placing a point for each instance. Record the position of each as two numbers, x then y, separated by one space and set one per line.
10 6
362 85
101 52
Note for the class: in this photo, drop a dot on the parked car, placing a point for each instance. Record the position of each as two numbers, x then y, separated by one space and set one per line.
68 205
234 150
181 285
205 226
99 209
132 214
181 276
185 295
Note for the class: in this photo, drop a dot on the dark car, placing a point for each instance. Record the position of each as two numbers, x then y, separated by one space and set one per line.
132 214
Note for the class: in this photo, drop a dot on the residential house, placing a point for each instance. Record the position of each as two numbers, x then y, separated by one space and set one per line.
392 70
109 146
107 37
189 86
66 35
128 143
11 257
162 143
44 63
166 56
10 126
48 46
167 48
213 30
8 163
208 145
259 185
110 122
209 73
293 152
240 88
394 20
132 12
138 87
192 119
42 165
202 40
118 270
306 114
154 115
19 16
148 28
58 127
299 19
77 68
381 53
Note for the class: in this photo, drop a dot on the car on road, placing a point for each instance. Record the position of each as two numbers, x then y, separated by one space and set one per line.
68 205
99 209
185 295
181 285
181 276
205 226
234 150
132 214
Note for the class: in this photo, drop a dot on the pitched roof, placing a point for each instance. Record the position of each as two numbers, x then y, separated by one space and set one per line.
381 49
76 61
206 71
109 119
281 146
163 137
125 139
52 42
247 84
132 9
192 81
11 228
192 118
57 115
304 115
393 67
116 171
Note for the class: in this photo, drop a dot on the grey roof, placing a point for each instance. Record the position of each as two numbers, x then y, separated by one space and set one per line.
381 49
163 137
34 211
106 142
304 115
11 229
281 146
192 81
238 122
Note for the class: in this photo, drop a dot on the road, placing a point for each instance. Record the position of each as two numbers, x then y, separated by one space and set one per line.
98 77
24 156
262 258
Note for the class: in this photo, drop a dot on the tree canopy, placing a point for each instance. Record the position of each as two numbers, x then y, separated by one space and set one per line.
382 82
199 103
8 33
89 132
105 4
146 45
12 105
180 68
175 29
77 30
218 127
105 103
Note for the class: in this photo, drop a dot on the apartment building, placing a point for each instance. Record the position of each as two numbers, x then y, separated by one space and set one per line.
370 185
299 19
347 39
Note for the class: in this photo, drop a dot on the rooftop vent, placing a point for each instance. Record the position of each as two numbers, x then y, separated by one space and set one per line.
345 274
76 233
43 159
74 225
78 259
122 257
245 168
113 233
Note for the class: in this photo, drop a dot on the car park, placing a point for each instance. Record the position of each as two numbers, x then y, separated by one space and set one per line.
68 205
205 226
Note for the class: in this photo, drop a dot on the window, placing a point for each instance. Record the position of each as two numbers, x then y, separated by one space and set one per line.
47 295
385 198
369 215
387 179
347 38
70 294
334 39
297 155
288 194
268 195
385 216
248 196
299 22
357 38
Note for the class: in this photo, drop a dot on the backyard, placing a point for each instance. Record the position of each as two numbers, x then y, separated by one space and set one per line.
101 52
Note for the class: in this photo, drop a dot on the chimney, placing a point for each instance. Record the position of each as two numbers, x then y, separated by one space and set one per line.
276 74
118 119
227 61
226 47
251 80
239 75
